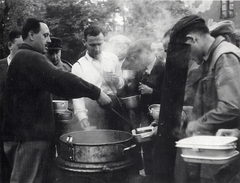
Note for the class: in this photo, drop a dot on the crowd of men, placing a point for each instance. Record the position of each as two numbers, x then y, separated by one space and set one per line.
34 74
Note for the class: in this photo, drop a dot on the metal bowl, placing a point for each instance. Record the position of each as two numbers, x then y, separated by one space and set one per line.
145 134
63 115
60 105
154 110
131 102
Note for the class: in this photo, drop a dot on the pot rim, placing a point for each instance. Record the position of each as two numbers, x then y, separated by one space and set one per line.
152 106
55 101
63 112
133 96
97 144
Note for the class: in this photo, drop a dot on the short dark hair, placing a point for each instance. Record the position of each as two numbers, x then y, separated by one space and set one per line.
13 35
93 30
31 24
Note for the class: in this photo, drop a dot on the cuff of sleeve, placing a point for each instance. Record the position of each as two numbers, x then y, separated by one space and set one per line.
81 115
120 83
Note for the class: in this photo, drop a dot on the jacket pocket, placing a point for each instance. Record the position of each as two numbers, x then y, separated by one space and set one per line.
209 93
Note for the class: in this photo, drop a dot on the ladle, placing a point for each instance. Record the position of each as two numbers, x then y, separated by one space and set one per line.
130 123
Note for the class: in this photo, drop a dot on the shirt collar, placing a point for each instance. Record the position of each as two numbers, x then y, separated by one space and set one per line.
150 67
217 41
9 59
89 58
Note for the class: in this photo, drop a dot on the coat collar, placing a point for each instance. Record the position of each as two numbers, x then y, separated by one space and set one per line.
212 48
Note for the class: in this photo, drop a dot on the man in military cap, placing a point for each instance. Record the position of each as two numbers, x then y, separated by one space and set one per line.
217 101
54 55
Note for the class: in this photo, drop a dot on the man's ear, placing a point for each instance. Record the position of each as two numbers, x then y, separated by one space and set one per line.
84 41
190 39
31 35
9 45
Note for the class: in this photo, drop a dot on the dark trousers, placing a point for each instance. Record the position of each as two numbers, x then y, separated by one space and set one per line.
5 169
29 161
148 156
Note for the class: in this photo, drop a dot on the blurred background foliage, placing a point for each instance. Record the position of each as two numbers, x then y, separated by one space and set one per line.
68 18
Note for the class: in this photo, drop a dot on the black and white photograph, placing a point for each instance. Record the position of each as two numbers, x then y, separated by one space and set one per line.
119 91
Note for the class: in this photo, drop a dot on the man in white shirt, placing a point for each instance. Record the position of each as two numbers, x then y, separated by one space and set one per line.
101 69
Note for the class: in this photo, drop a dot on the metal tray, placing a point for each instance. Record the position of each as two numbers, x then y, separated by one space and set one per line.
211 160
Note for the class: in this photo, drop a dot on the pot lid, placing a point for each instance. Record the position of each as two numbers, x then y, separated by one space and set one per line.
210 142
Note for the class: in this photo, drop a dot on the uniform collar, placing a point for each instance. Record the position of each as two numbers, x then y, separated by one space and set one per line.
214 45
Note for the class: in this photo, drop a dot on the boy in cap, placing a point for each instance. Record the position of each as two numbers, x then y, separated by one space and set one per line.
224 28
217 100
54 55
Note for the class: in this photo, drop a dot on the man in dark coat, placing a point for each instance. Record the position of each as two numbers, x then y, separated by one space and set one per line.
28 112
54 55
148 83
15 39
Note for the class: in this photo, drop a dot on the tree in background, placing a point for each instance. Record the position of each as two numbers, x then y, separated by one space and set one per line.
152 18
68 18
13 13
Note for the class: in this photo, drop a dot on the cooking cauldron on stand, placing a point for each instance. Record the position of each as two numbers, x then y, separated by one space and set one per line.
103 154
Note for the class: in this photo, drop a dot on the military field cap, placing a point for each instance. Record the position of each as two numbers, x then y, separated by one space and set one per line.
223 27
185 23
56 44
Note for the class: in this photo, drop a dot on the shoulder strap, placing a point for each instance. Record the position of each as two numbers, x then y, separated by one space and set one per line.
224 47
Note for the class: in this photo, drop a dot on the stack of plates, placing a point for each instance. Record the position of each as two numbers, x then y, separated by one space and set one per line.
208 149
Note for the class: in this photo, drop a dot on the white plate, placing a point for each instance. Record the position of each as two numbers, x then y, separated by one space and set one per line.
210 160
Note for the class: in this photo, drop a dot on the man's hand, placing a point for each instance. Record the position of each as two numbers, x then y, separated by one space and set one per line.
111 77
229 132
104 100
198 128
145 89
84 123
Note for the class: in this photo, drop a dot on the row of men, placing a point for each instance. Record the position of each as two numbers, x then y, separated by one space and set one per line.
31 78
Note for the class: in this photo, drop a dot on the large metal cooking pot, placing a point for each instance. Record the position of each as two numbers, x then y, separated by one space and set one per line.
96 146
